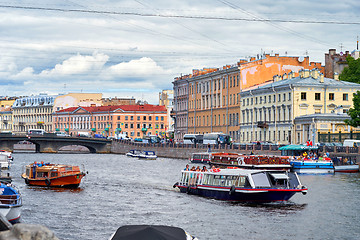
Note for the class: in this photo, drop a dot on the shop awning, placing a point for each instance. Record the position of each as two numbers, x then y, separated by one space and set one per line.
66 129
57 129
106 129
93 129
144 129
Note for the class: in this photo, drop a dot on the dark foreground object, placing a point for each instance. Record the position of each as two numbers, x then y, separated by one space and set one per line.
149 232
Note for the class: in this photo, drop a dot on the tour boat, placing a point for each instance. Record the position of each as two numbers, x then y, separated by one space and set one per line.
147 155
312 166
242 185
10 202
250 161
203 157
53 175
133 153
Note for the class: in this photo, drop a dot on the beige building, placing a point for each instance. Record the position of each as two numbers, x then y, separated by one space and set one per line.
6 123
117 101
275 111
34 112
77 100
166 98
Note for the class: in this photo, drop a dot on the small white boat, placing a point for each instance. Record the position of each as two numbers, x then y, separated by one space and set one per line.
147 155
10 202
133 153
350 168
4 161
8 154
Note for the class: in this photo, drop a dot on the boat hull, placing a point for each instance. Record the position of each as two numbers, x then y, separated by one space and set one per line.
11 213
69 181
353 168
312 167
241 195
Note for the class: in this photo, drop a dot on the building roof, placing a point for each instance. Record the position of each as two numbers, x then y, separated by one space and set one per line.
122 108
308 81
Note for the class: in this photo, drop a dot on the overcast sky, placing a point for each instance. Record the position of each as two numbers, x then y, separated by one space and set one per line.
136 48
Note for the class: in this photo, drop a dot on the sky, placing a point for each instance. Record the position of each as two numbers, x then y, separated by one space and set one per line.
136 48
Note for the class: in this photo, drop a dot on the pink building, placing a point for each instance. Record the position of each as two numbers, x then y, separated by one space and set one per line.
134 121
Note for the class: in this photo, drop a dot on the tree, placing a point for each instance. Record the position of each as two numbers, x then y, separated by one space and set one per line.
354 112
352 72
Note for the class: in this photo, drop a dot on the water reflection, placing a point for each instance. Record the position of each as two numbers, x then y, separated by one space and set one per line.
55 189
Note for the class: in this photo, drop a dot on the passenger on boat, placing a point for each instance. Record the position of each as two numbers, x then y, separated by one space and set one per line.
198 169
34 169
193 168
187 168
204 169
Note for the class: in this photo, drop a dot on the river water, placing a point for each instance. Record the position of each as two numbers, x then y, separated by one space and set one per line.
119 191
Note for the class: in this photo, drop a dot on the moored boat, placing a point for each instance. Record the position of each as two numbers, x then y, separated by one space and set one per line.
351 168
202 157
8 154
250 161
133 153
10 202
4 161
242 185
147 155
312 166
53 175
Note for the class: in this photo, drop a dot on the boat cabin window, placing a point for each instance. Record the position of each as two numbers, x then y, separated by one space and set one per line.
279 179
261 179
68 169
27 172
42 174
53 174
220 180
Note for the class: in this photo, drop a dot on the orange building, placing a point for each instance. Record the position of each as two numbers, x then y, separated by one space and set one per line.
209 100
135 121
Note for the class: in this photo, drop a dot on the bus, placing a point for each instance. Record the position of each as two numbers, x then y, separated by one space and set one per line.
193 138
216 138
36 132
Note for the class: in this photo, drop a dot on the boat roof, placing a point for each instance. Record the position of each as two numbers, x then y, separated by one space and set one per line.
141 232
51 166
239 171
298 147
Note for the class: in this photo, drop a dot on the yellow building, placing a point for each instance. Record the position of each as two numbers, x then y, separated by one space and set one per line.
278 111
6 122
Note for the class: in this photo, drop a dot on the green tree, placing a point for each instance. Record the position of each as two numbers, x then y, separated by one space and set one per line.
352 72
354 112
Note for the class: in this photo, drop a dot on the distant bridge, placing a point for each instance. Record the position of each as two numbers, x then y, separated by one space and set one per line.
50 143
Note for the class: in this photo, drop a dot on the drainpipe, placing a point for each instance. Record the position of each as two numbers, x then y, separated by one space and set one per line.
211 105
275 137
292 113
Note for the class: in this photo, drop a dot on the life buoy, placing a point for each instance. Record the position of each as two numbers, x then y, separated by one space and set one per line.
240 161
47 182
175 185
232 190
27 181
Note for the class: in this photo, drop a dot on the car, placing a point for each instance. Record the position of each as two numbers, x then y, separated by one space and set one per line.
62 134
138 140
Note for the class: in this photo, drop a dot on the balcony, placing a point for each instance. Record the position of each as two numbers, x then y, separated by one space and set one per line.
262 124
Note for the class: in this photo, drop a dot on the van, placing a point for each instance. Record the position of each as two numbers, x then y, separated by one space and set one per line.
36 132
351 143
84 134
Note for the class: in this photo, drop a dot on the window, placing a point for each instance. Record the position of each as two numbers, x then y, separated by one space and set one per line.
289 96
162 118
317 96
331 96
138 118
126 125
131 118
138 125
279 96
230 81
126 118
303 96
144 118
157 118
131 125
345 97
118 117
150 118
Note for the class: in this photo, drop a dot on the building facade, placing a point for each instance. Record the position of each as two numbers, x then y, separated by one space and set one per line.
208 100
117 101
34 112
166 98
6 122
135 121
275 112
336 62
76 100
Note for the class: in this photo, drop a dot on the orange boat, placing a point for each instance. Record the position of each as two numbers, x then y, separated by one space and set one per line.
53 175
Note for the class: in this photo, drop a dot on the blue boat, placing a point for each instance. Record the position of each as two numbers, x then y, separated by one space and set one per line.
241 185
312 166
10 202
147 155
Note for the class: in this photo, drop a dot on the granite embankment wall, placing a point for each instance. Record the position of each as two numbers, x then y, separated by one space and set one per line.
178 150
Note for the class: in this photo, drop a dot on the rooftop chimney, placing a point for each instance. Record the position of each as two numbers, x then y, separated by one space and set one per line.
321 78
336 76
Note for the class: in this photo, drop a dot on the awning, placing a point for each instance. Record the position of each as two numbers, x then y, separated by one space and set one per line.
57 129
118 129
279 175
298 147
93 129
107 129
144 129
66 129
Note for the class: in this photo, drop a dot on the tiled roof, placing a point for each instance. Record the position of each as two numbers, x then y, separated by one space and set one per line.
125 108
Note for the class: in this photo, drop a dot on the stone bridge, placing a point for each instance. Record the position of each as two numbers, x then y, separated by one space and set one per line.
50 143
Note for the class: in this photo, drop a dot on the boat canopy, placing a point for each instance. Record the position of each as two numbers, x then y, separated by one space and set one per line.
298 147
140 232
